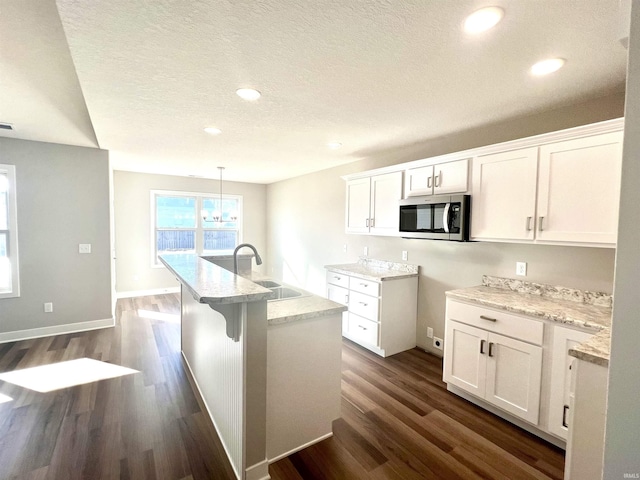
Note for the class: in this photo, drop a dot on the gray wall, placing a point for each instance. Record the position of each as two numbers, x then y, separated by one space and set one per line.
63 200
306 226
132 224
623 412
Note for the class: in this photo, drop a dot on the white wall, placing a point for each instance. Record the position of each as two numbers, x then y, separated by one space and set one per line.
132 214
622 449
63 200
306 226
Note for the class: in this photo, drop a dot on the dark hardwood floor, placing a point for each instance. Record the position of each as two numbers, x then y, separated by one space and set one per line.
398 421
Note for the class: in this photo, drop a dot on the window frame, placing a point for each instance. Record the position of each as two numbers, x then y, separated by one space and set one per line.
199 228
12 237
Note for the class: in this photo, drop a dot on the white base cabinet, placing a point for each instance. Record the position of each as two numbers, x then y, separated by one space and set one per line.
504 371
381 316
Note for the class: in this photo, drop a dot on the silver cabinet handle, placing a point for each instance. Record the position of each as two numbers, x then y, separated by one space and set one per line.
429 180
346 298
363 304
491 349
335 277
482 342
439 179
483 317
373 222
564 416
364 328
364 284
529 223
540 223
366 223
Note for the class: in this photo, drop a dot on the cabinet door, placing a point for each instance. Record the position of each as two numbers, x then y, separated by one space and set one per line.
579 190
358 198
338 294
514 373
504 195
563 340
419 181
465 357
386 191
451 177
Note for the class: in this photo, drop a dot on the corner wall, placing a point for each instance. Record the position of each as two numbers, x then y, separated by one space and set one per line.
132 213
62 200
306 226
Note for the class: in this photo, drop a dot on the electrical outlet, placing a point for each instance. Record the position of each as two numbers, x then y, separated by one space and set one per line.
84 248
344 248
365 251
48 307
437 343
521 269
405 255
429 332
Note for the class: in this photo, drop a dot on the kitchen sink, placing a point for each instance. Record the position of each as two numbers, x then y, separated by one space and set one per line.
283 293
267 283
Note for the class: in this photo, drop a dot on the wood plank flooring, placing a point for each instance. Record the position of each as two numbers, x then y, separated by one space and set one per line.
398 421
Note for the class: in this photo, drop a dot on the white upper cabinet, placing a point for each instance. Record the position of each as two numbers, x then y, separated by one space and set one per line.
559 193
444 178
372 204
504 195
579 190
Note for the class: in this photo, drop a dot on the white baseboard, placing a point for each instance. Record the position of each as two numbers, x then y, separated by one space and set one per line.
144 293
55 330
259 471
301 447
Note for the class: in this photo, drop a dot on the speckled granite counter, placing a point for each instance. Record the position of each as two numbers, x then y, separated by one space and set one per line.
376 270
591 310
211 284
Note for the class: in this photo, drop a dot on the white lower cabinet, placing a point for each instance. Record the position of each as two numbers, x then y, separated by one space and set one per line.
563 340
503 371
381 316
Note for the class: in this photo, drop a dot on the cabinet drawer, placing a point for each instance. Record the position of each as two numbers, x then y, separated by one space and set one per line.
364 286
498 321
363 305
363 330
338 279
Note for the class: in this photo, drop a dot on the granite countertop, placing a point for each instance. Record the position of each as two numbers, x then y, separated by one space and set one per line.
212 284
583 309
376 270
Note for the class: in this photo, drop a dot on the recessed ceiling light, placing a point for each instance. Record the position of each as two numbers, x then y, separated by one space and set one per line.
249 94
483 19
213 130
334 145
546 67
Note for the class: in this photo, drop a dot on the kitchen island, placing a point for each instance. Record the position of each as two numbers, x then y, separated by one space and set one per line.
267 369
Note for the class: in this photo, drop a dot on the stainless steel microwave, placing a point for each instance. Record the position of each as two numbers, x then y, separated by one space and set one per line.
436 217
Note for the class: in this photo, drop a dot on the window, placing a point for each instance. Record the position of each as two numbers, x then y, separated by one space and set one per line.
194 223
9 281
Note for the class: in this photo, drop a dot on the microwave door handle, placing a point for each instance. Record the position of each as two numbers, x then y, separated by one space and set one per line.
445 217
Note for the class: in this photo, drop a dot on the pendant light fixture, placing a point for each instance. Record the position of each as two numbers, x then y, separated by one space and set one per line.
217 215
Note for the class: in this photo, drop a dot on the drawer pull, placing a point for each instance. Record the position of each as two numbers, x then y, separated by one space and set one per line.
482 342
364 328
564 416
491 349
363 304
483 317
364 284
335 277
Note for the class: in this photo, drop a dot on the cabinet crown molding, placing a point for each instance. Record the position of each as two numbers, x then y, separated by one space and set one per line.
534 141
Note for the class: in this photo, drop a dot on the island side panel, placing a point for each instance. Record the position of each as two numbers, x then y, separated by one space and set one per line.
216 363
303 383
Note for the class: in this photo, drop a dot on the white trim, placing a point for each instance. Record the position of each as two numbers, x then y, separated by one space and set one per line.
10 172
301 447
145 293
56 330
607 126
259 471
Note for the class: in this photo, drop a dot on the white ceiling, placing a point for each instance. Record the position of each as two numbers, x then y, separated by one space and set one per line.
148 75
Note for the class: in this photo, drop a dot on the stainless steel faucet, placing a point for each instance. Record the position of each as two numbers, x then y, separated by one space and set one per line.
235 256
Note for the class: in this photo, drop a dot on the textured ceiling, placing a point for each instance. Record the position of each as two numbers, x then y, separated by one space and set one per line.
373 75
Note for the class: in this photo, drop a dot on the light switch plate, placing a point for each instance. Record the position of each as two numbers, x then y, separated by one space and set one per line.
48 307
365 251
84 248
521 269
405 255
429 332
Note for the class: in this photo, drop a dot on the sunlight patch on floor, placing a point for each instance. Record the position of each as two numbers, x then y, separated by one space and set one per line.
4 398
166 317
56 376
